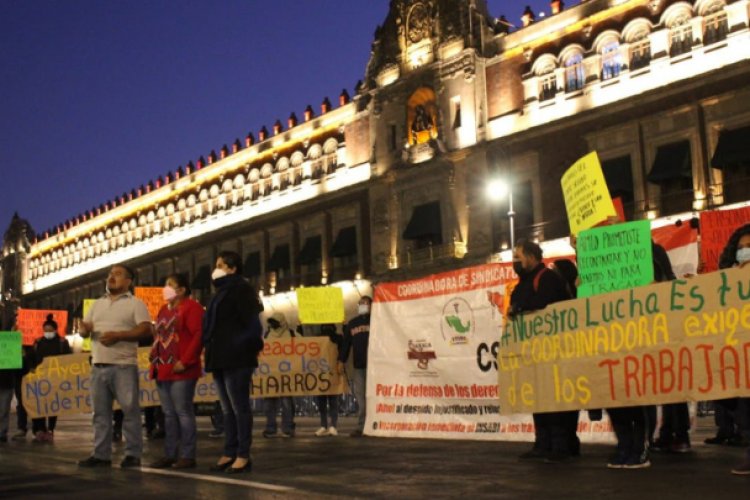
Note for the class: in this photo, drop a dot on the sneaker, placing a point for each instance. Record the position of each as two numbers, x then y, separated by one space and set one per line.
184 463
742 469
661 445
321 432
130 461
162 463
617 461
332 431
92 462
356 434
680 447
556 458
50 436
533 454
269 434
638 462
20 435
39 437
287 434
215 434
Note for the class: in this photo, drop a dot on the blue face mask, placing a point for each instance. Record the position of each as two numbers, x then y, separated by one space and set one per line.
743 255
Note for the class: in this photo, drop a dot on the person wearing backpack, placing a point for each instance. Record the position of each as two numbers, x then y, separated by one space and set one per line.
278 330
538 287
50 344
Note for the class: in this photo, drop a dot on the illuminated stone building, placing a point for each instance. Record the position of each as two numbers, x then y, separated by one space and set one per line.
389 183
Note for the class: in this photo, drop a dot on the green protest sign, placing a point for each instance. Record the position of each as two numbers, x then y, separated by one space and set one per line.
10 350
612 258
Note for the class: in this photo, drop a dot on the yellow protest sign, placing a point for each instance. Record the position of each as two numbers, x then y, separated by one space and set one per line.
153 297
320 305
587 198
86 344
683 340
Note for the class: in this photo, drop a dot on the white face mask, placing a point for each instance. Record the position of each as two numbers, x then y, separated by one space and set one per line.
218 273
743 255
363 309
169 293
50 335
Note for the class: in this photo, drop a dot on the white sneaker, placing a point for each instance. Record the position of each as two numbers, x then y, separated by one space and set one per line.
332 431
321 432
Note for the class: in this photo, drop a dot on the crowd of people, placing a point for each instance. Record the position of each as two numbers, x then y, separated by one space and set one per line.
226 338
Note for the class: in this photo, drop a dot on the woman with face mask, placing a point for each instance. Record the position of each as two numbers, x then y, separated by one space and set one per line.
50 344
176 365
233 336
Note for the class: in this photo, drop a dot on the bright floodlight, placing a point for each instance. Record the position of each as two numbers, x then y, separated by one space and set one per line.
497 189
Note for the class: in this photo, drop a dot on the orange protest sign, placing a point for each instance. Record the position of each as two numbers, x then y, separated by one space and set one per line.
30 322
152 296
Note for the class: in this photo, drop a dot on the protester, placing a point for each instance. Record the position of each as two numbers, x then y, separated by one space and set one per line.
736 253
356 340
278 329
7 379
232 335
51 344
176 366
115 323
537 288
328 406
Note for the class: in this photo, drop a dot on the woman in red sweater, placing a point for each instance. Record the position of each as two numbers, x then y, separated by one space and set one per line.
176 366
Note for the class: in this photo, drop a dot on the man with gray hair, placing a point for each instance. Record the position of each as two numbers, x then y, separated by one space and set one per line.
115 323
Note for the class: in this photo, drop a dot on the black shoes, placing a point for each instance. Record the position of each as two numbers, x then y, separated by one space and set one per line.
129 461
92 462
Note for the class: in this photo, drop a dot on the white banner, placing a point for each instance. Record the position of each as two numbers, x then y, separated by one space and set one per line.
432 370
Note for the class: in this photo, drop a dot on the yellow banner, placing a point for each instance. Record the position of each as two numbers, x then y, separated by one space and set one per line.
292 367
684 340
320 305
87 303
587 198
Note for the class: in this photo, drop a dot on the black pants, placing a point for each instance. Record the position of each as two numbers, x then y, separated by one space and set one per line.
22 418
675 424
631 426
43 424
556 432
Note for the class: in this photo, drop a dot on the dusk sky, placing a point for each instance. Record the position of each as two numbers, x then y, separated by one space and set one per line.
98 97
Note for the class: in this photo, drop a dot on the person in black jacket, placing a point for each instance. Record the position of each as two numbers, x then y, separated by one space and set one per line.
50 344
328 406
538 287
356 340
232 336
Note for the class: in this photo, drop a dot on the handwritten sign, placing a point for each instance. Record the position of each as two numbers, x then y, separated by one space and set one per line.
86 344
320 305
153 297
10 350
289 367
683 340
587 198
31 323
717 227
616 257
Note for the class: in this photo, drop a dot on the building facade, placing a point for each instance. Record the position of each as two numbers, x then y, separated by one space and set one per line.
390 183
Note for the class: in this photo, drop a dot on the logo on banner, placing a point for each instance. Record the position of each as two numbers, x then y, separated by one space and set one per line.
457 321
421 351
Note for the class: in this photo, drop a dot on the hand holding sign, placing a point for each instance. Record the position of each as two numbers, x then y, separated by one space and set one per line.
587 198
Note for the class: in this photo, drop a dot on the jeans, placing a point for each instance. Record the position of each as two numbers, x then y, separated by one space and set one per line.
43 424
359 381
22 419
234 393
271 407
630 425
326 403
110 383
675 424
176 398
6 396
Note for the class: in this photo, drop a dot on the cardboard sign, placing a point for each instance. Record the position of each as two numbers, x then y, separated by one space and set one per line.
10 350
153 297
87 303
683 340
616 257
717 227
31 323
290 367
587 198
320 305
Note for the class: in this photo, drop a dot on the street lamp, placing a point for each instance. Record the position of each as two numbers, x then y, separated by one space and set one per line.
497 189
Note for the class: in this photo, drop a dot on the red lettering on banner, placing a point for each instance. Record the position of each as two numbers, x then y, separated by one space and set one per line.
706 348
649 372
746 350
686 367
631 375
666 369
724 367
610 364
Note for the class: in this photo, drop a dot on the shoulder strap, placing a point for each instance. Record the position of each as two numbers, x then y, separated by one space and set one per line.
538 278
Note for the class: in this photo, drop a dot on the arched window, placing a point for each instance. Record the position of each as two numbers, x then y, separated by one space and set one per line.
574 74
637 35
611 59
715 24
677 19
544 69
